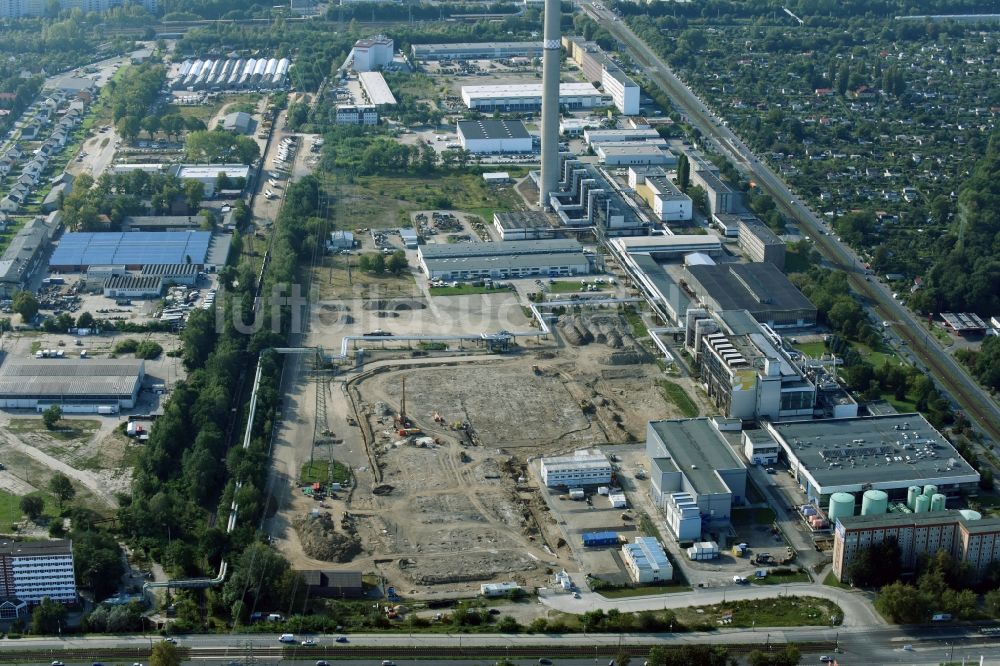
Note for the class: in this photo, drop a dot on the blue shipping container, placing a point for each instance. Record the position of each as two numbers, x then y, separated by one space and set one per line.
594 539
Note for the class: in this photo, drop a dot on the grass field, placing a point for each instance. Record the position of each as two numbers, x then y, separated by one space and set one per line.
813 349
339 277
318 472
465 290
10 510
564 286
676 395
643 591
634 320
780 612
65 430
782 578
832 581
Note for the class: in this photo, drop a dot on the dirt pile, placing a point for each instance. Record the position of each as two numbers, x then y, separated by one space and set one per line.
321 541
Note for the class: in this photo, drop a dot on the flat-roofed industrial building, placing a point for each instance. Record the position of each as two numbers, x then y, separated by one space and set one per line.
376 89
528 97
586 467
760 243
691 456
477 50
646 561
503 259
760 288
494 136
666 201
888 453
76 385
523 225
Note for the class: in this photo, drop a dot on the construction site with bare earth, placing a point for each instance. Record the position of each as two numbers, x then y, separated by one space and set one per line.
438 439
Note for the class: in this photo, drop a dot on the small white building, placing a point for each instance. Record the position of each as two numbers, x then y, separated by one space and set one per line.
618 500
494 136
586 467
646 561
372 52
759 448
492 590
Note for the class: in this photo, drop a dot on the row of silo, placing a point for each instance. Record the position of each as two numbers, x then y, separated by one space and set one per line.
875 502
230 74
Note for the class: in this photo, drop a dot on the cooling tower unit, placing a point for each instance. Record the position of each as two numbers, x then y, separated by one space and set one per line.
841 506
551 53
874 502
911 497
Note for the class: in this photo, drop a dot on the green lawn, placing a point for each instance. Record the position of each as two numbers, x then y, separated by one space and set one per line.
781 578
317 472
643 591
10 511
676 395
634 319
813 349
832 581
564 286
65 430
465 290
780 612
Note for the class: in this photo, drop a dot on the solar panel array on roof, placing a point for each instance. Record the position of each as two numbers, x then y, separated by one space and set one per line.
135 248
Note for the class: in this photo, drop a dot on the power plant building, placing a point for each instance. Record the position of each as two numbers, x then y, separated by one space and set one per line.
528 97
633 154
889 453
666 201
969 538
760 288
598 67
691 457
744 368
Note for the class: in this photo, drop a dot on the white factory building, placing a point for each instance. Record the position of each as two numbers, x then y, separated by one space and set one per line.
634 154
586 467
528 97
494 136
357 114
33 570
376 89
667 202
372 53
646 561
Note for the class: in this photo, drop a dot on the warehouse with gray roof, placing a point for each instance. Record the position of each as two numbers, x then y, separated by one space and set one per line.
760 288
503 260
76 385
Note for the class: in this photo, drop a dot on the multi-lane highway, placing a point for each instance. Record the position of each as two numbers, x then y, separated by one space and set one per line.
863 645
978 405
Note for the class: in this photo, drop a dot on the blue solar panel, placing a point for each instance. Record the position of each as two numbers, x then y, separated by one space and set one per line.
132 248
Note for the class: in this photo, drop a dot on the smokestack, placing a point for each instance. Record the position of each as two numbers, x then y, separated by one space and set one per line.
550 102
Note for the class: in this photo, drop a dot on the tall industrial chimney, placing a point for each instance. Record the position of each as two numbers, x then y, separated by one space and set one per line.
550 102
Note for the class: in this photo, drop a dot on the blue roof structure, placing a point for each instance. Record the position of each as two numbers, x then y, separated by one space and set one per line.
131 248
600 538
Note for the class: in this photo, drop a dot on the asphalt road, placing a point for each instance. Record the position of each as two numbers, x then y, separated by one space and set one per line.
978 405
862 645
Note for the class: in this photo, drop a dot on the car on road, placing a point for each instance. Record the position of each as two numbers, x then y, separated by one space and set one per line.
322 662
341 639
308 643
770 470
544 661
58 663
826 659
576 595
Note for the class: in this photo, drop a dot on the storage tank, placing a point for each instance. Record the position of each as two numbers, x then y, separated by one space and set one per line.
969 514
912 493
938 502
841 506
923 504
874 502
929 490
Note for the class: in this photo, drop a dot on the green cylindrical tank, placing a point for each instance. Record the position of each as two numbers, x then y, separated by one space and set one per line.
841 505
874 502
938 502
969 514
929 490
923 504
912 493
